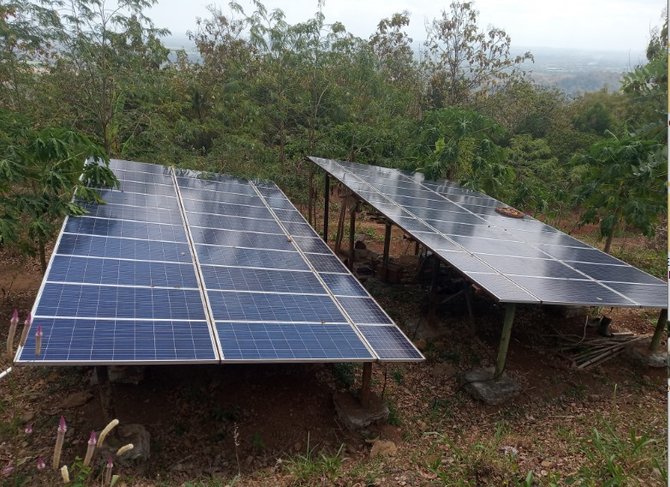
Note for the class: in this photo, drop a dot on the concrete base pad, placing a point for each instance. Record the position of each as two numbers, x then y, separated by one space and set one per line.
354 415
640 353
479 383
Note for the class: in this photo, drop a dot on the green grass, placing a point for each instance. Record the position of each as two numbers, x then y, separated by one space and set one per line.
479 462
615 458
308 467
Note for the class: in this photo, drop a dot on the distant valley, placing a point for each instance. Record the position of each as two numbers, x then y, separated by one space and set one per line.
573 71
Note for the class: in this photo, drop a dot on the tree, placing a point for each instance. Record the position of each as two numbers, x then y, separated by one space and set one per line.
39 173
110 53
539 178
463 62
462 145
28 31
621 180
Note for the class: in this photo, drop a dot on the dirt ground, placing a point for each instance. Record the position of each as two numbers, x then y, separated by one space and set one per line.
276 424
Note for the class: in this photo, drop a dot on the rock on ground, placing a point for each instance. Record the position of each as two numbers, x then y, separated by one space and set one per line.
479 383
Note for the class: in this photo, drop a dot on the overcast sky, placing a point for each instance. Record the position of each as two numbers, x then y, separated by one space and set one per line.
612 25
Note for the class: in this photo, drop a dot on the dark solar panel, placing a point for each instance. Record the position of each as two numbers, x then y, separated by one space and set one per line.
124 286
516 260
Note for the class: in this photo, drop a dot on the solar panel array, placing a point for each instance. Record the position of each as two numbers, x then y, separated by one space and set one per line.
516 260
182 268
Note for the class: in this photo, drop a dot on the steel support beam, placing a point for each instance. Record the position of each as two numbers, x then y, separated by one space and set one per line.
365 384
326 205
387 247
352 235
510 308
661 327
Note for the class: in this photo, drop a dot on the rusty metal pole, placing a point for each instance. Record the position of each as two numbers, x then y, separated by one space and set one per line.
326 206
365 386
510 308
352 235
387 246
661 326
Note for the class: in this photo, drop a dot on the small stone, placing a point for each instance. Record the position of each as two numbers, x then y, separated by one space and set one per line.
639 352
383 448
547 463
354 416
479 383
509 450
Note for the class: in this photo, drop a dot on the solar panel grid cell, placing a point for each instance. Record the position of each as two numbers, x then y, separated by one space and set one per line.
145 250
73 269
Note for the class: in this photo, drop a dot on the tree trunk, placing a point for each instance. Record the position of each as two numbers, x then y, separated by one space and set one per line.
43 256
610 237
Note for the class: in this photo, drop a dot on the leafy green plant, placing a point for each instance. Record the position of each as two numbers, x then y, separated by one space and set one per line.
615 459
344 374
308 466
39 173
394 416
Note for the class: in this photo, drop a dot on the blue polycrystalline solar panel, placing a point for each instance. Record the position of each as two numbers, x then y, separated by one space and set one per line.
246 257
87 301
212 269
126 229
143 177
343 285
121 341
240 279
124 212
236 238
234 223
287 308
87 270
121 286
145 250
290 342
516 260
225 209
138 199
389 342
262 261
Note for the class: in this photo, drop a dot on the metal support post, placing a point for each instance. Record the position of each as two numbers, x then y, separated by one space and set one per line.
326 205
387 246
661 326
510 308
105 392
365 386
352 235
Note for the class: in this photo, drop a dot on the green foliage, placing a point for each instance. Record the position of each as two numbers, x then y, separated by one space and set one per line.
344 374
308 467
39 173
622 179
463 147
615 459
539 177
